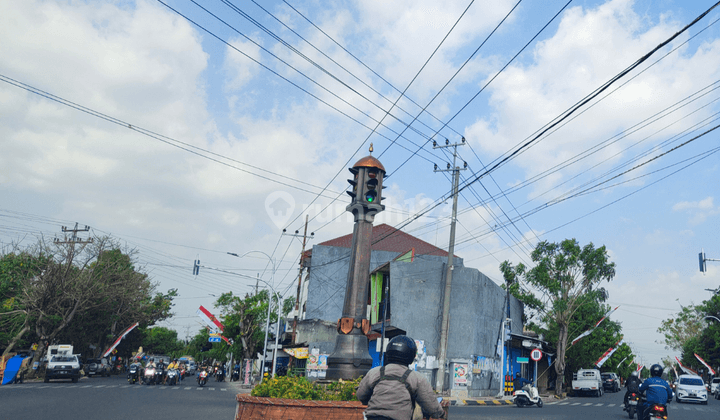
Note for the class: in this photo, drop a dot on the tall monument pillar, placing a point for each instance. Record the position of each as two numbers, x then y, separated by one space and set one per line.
351 357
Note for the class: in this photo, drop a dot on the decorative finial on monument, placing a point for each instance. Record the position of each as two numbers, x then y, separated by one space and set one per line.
371 148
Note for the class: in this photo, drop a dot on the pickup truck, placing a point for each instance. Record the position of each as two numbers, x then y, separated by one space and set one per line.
587 381
63 366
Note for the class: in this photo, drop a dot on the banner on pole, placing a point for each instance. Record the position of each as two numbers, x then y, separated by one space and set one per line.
115 344
685 369
608 353
711 370
209 318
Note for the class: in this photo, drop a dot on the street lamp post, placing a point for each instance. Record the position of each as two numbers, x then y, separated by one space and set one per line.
713 317
267 323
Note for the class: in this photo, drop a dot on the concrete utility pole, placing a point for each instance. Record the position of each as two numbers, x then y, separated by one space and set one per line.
445 323
74 238
351 357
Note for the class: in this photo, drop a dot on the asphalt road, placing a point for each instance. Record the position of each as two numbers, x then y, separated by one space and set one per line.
114 399
609 406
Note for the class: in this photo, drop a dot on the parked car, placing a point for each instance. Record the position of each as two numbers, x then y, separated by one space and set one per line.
99 367
611 381
63 366
690 388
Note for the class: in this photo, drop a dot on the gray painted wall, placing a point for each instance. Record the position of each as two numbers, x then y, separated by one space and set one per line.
476 312
328 280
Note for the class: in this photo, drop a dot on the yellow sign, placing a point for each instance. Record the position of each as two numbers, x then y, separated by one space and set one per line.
298 353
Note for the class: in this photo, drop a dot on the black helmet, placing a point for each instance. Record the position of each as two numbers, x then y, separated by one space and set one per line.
517 375
656 370
401 350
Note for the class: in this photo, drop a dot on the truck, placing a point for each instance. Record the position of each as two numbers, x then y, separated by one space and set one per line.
587 381
62 363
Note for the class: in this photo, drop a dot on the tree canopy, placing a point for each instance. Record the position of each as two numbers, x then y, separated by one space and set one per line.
565 278
80 294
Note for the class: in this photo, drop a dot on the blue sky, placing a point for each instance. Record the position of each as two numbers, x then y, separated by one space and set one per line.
254 128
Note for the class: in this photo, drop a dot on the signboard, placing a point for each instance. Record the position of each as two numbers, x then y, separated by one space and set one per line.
214 339
522 360
536 355
298 353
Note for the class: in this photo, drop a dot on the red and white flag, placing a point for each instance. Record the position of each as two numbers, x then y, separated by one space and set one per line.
115 344
590 331
686 370
706 365
210 319
608 353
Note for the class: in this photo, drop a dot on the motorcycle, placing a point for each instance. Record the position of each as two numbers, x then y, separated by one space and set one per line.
172 377
182 373
235 374
159 375
133 374
527 396
202 378
632 405
149 376
220 375
656 411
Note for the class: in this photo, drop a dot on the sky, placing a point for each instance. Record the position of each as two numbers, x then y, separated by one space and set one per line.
190 129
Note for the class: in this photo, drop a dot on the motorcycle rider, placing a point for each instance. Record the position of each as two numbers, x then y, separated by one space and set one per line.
633 385
391 391
519 382
656 389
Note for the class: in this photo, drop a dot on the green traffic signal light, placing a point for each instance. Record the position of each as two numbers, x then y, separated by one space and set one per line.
370 196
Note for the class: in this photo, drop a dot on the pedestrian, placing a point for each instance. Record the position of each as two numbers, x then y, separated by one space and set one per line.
391 392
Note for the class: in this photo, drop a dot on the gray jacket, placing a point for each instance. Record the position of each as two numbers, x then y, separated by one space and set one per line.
390 398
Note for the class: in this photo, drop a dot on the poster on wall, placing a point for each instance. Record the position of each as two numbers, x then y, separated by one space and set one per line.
322 362
420 357
460 373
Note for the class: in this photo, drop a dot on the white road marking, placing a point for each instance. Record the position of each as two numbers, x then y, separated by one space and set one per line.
223 389
564 403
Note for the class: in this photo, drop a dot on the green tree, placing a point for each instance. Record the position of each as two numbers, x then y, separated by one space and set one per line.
162 340
685 325
16 270
566 277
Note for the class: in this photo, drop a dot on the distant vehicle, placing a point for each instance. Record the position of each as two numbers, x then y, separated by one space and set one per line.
715 387
588 381
192 367
63 366
99 367
611 381
158 357
690 388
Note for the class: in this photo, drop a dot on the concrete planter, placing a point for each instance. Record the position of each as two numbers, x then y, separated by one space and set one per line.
262 408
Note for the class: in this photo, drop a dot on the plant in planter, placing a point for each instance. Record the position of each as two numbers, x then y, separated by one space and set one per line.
296 397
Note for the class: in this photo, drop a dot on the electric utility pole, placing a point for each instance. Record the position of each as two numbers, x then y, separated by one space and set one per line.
74 239
302 266
445 323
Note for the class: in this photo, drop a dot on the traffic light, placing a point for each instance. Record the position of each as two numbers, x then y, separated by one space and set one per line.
703 264
371 185
196 268
353 183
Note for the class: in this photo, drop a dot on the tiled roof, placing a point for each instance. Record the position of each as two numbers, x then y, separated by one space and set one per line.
387 238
